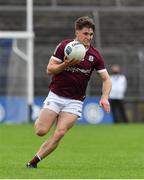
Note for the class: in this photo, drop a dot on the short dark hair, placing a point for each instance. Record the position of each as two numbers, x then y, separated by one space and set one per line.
84 21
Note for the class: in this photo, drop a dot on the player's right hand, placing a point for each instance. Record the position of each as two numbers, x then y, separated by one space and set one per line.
105 104
71 62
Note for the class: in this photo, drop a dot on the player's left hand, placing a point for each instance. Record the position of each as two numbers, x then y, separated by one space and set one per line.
105 104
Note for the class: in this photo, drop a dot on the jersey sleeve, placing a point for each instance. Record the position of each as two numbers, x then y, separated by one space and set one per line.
59 51
100 65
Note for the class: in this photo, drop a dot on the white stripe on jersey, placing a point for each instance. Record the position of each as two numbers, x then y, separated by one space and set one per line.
102 70
55 58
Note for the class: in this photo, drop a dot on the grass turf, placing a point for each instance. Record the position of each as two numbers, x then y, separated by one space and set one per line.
86 152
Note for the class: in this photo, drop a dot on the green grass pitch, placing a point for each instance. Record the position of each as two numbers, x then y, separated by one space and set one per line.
86 152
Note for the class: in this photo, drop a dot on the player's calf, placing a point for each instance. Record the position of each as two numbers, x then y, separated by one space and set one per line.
58 134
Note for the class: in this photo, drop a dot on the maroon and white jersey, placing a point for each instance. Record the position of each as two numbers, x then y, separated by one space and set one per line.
72 82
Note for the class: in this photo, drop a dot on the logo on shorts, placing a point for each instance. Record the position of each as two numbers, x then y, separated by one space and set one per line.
48 103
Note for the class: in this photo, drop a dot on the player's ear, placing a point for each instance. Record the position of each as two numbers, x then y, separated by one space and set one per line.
76 32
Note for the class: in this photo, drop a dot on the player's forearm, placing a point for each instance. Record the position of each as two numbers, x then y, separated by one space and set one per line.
106 88
55 68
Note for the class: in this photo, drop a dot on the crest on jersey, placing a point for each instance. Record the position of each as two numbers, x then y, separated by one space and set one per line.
91 58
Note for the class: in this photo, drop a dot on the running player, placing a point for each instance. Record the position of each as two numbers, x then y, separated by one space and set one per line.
67 89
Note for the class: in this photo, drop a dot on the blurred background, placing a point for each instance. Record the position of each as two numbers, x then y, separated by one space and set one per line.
119 36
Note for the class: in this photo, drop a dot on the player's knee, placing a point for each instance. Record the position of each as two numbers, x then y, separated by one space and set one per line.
59 134
40 132
40 129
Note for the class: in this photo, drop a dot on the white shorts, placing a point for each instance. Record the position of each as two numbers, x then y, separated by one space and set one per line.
58 103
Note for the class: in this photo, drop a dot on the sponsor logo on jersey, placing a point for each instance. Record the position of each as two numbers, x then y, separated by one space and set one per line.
75 69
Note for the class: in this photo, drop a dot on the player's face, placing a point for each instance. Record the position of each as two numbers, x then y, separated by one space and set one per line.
85 36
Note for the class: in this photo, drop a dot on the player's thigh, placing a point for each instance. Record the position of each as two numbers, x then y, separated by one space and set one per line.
66 121
46 119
